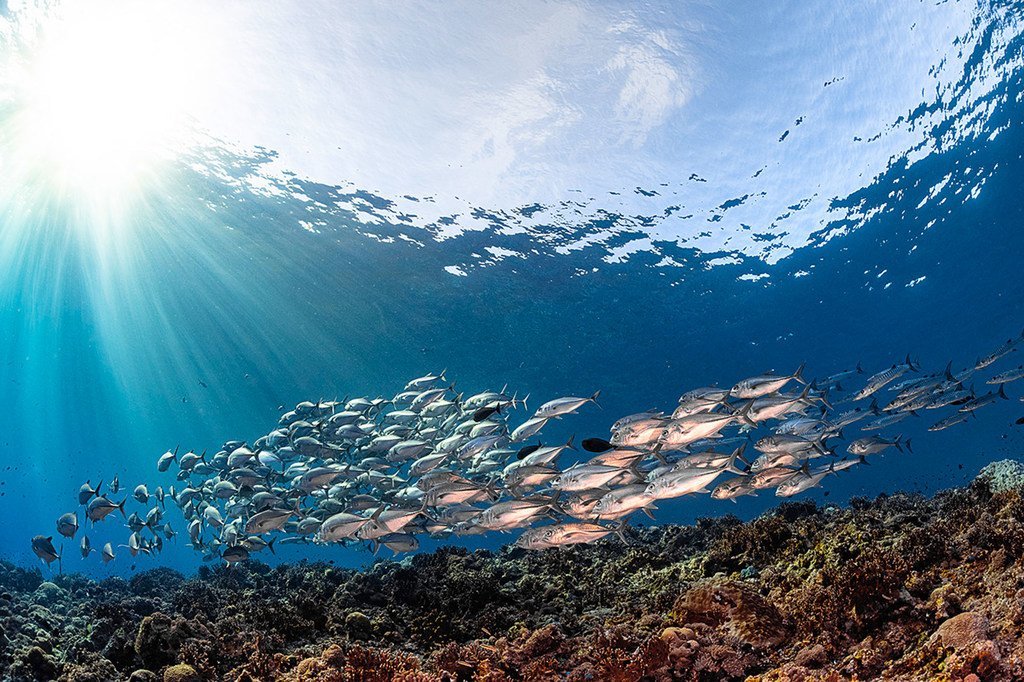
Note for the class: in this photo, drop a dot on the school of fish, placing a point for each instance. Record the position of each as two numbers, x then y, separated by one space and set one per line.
433 462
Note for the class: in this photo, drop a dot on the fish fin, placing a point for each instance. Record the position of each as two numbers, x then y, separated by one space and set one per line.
594 397
569 443
898 442
839 386
823 397
909 449
620 531
650 514
799 373
745 410
1002 392
120 507
738 454
949 373
731 466
874 407
270 545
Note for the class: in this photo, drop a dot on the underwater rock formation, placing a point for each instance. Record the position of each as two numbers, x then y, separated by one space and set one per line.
901 587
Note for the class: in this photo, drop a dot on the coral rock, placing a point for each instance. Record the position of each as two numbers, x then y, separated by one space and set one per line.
1006 474
962 631
735 607
358 625
813 656
182 672
143 676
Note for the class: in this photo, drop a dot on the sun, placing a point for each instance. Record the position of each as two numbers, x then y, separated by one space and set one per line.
106 90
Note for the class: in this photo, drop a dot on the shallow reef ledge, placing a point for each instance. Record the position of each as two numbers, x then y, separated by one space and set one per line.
901 587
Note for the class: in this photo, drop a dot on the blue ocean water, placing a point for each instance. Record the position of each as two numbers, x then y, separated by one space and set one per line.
211 306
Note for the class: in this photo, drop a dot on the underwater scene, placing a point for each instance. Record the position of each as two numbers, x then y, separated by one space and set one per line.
495 342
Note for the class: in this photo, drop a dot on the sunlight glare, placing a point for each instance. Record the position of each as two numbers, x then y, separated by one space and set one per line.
108 90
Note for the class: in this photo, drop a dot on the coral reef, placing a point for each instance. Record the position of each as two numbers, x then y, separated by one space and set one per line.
900 587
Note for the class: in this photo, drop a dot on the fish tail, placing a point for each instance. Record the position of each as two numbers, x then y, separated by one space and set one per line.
1002 392
745 411
492 489
594 397
731 466
807 390
620 531
799 373
949 371
860 370
823 398
270 545
738 454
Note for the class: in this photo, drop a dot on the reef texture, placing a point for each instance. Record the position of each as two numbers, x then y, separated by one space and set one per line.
902 588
